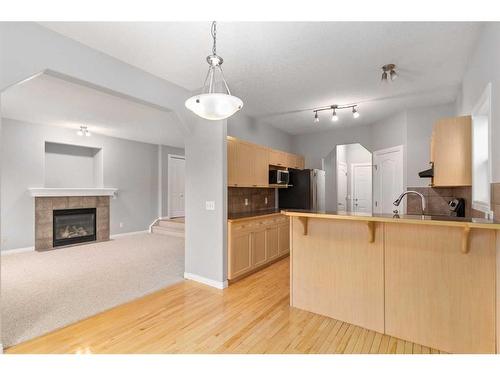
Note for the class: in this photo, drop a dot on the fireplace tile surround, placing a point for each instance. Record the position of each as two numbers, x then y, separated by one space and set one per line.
44 216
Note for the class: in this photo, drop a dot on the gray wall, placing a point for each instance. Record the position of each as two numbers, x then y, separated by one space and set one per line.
206 239
483 68
130 166
251 130
165 150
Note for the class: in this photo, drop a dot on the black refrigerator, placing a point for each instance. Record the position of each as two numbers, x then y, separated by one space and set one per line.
306 190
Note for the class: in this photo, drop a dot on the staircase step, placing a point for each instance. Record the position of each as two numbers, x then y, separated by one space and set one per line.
171 224
176 232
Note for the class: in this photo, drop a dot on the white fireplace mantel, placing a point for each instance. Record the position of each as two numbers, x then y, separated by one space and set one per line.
72 192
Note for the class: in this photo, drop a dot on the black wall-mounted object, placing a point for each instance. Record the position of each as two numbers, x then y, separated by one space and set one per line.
428 173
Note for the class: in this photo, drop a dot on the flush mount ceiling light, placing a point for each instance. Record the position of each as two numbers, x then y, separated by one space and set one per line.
209 104
334 108
83 131
389 71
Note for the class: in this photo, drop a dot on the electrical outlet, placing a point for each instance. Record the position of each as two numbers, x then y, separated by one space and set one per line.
265 200
246 201
210 205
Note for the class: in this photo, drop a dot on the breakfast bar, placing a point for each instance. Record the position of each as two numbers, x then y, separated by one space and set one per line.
426 279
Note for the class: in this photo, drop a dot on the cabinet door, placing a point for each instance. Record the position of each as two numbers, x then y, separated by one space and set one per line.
245 155
452 152
260 170
278 158
295 161
232 168
259 253
272 242
284 238
240 254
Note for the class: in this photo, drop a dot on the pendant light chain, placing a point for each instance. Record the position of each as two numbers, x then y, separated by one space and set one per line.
214 36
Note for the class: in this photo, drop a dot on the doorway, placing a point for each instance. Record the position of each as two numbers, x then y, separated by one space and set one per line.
361 182
387 178
176 170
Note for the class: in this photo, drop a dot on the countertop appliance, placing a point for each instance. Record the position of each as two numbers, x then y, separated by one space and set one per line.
278 177
306 190
457 207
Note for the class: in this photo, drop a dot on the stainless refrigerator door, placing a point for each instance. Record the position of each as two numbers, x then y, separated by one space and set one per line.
318 189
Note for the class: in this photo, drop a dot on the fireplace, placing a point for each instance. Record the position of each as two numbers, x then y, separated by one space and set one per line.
74 225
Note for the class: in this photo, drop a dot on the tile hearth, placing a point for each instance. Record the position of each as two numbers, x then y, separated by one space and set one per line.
44 207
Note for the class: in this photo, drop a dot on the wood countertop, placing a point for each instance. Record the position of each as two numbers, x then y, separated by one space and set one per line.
447 221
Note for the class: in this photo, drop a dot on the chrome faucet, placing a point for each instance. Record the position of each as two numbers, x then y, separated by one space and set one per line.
400 198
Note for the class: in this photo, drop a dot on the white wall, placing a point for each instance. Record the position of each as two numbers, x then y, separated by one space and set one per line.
483 68
248 129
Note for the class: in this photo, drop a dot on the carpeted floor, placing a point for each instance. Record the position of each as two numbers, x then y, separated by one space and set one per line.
43 291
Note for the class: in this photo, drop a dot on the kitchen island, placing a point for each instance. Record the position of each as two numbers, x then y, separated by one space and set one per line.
430 280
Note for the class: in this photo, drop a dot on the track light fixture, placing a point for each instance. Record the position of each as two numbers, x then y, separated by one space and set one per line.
389 71
334 108
83 131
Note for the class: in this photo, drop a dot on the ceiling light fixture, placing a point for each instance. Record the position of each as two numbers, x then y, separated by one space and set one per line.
83 131
209 104
334 109
389 71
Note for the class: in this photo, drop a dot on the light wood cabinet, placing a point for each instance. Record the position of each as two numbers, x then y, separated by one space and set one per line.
451 152
255 242
248 163
272 242
241 260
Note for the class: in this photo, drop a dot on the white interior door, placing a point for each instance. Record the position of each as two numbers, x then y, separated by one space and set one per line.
362 187
388 181
176 169
342 186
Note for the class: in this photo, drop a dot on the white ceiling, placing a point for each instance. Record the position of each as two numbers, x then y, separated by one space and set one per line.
48 100
282 70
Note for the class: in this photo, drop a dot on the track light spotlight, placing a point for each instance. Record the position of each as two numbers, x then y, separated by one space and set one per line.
355 113
316 118
389 71
335 118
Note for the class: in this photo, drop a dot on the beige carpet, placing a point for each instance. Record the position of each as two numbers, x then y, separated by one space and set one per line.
42 291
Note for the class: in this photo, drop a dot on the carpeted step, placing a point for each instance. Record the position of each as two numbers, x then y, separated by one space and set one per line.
168 231
171 224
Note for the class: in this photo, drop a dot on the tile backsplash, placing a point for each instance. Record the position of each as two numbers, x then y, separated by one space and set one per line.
495 199
256 198
437 200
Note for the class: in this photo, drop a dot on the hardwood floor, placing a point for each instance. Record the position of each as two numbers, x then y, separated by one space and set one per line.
251 316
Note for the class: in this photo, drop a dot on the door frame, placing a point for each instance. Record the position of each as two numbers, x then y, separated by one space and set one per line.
353 165
337 182
169 182
383 151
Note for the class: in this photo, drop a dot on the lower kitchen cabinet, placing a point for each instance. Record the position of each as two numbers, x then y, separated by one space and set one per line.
255 242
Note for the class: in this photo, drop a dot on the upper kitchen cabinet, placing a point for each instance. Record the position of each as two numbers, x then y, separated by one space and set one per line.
451 152
248 163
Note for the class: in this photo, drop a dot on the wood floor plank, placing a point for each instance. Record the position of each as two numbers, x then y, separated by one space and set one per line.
251 316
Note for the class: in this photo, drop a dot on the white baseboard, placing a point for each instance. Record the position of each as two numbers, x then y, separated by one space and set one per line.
127 234
204 280
17 251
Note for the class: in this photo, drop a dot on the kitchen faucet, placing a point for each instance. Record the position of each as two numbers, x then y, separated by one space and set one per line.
400 198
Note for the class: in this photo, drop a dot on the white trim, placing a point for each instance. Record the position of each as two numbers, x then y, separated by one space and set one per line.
72 192
160 182
204 280
118 235
171 156
18 251
484 99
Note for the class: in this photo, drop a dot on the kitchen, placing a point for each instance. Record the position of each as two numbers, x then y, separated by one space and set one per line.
378 269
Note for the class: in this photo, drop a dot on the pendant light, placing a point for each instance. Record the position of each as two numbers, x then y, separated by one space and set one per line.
209 104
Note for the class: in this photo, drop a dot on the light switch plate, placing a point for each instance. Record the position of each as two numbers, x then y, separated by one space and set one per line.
246 201
210 205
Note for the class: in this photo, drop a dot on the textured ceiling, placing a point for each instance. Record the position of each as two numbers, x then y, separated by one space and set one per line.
48 100
281 70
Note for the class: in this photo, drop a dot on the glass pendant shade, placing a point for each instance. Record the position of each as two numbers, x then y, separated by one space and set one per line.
214 106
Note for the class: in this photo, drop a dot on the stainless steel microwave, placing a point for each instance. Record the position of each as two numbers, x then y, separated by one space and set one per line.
278 177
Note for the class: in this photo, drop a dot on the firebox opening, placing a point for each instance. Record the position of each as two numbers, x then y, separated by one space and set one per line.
74 226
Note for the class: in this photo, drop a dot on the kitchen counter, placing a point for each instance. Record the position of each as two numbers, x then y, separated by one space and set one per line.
252 214
430 280
391 218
